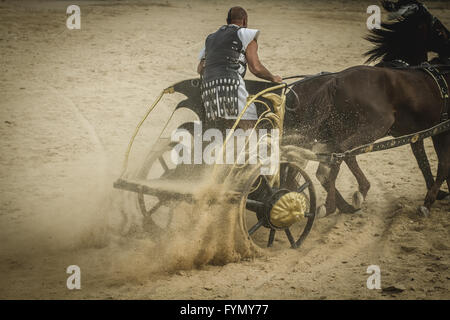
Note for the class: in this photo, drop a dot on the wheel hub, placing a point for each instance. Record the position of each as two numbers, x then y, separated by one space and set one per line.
288 209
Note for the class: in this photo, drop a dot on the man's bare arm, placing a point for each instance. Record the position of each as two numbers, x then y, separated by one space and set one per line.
201 66
255 65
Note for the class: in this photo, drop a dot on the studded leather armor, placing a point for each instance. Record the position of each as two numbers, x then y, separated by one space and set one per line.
221 77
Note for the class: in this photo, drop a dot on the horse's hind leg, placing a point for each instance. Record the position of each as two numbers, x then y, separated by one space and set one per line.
363 135
323 175
330 186
363 183
441 143
433 192
418 150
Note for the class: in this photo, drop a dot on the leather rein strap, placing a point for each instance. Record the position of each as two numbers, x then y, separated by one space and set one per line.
442 84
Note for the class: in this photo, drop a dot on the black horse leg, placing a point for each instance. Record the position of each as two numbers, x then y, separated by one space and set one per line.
418 150
365 134
330 203
432 193
422 160
363 183
441 143
323 175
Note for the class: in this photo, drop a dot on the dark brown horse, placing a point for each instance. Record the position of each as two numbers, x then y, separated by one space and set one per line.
406 42
362 104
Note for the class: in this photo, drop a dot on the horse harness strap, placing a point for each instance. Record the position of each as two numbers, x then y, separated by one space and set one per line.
442 84
385 145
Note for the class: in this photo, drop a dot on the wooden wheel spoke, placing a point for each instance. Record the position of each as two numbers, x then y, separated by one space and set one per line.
309 215
163 163
292 183
271 238
154 208
253 205
255 227
303 187
266 185
288 177
284 168
290 238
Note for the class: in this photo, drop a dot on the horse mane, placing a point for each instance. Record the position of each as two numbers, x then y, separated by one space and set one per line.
394 39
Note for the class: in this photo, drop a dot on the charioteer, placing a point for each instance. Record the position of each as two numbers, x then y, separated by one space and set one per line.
223 64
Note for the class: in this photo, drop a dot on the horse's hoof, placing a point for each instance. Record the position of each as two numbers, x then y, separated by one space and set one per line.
424 212
357 200
442 195
321 212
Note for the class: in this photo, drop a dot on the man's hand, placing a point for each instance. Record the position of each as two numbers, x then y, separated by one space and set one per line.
277 79
256 67
201 67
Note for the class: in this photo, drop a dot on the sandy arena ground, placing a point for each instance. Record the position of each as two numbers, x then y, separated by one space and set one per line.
69 102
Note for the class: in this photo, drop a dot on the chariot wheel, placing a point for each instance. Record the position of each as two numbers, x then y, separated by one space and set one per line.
157 208
278 216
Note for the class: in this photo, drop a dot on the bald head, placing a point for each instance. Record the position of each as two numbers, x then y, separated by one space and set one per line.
238 16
